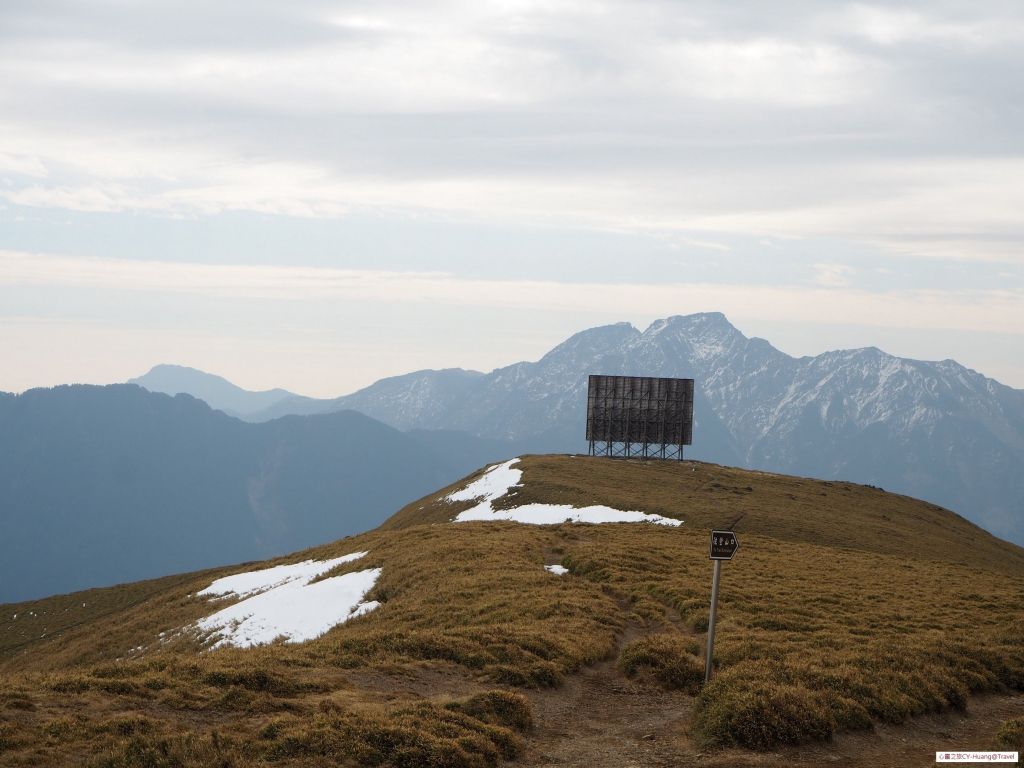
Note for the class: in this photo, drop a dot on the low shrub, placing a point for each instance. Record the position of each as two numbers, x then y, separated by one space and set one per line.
126 726
1011 734
671 659
426 734
181 751
542 674
754 706
505 708
252 679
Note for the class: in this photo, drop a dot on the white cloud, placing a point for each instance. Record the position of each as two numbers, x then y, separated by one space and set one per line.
988 310
965 209
91 198
769 71
833 275
25 165
613 114
899 26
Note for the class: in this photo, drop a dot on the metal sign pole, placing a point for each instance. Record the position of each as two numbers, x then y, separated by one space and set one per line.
711 621
723 546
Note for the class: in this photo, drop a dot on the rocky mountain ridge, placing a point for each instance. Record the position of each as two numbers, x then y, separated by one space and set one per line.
935 430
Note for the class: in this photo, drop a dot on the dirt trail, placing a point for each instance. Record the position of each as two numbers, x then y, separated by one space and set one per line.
600 717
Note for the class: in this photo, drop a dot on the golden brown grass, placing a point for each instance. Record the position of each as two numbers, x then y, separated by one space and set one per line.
451 602
670 658
1011 734
824 626
812 640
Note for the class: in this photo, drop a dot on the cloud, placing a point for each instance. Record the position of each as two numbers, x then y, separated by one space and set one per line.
851 134
888 26
929 208
768 72
854 121
833 275
996 311
24 165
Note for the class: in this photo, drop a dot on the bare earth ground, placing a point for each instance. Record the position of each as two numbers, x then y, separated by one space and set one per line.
602 718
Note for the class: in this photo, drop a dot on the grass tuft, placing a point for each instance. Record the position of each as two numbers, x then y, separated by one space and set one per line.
252 679
671 659
504 708
746 707
1011 734
422 735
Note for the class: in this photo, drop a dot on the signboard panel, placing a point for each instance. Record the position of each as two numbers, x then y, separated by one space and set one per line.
640 409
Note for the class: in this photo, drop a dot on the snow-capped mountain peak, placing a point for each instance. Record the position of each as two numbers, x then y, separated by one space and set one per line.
935 430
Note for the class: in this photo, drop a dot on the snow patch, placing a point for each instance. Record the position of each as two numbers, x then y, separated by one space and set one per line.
281 602
552 514
558 570
253 582
495 483
501 478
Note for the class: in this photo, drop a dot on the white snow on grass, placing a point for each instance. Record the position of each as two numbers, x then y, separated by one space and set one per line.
281 602
493 484
501 478
251 582
558 570
552 514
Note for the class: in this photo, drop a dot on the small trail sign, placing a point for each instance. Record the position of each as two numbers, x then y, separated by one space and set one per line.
723 545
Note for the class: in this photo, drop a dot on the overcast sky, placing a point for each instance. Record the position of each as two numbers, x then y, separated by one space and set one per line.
315 195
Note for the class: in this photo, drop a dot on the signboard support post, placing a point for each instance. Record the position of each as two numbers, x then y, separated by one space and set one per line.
711 621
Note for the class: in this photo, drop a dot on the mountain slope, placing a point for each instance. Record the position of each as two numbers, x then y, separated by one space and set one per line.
215 391
100 485
412 399
846 607
540 405
937 431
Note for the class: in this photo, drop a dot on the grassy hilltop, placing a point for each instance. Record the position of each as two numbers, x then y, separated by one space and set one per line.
847 610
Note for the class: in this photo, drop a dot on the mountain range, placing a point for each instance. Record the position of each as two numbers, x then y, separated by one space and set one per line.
102 485
933 430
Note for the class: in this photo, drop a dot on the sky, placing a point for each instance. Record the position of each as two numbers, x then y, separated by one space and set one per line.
314 195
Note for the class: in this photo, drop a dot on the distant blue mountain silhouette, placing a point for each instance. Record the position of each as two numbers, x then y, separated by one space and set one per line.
215 391
101 485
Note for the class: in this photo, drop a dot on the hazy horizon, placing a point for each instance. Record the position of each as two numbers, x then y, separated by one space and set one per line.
331 394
